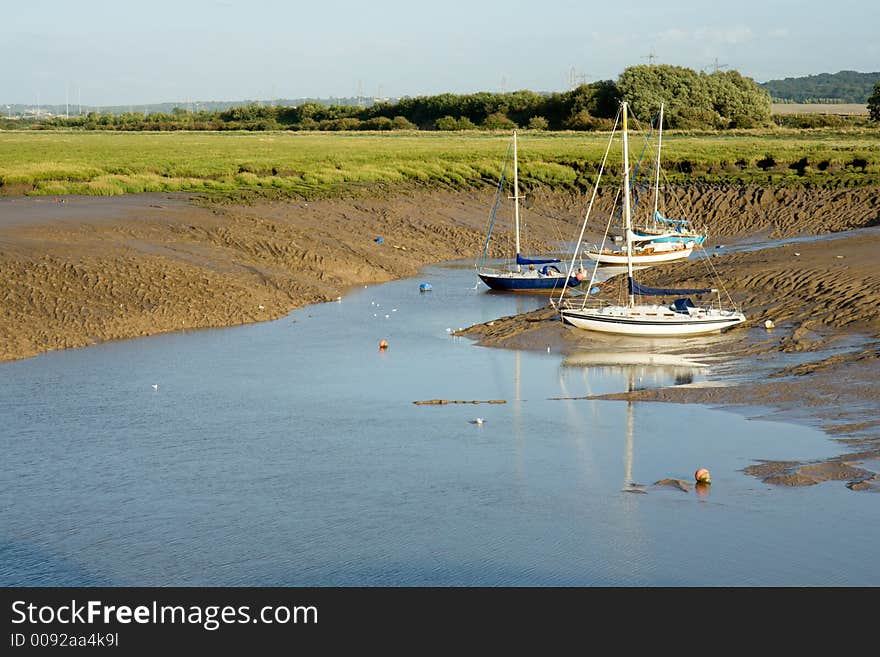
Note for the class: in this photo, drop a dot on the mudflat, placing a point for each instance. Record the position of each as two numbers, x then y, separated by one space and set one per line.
79 270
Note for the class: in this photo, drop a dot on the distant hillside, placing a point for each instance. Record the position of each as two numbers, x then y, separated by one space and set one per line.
841 87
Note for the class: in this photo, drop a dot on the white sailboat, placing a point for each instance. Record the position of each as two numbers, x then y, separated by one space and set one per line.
642 250
679 319
660 229
660 240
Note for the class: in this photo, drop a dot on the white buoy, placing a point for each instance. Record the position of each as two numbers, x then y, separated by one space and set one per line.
387 316
155 386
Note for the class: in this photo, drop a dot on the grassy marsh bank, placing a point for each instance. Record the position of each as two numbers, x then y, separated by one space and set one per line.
310 164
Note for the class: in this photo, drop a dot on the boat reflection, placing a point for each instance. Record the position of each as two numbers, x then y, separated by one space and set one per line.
637 370
644 367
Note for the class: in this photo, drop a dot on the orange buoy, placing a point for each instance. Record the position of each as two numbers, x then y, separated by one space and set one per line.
383 344
702 476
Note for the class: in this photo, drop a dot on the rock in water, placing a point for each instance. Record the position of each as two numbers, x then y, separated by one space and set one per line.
681 485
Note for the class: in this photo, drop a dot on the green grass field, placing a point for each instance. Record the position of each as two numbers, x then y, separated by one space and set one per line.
312 164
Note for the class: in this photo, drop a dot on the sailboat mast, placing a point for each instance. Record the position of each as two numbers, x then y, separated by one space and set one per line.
516 197
657 179
626 205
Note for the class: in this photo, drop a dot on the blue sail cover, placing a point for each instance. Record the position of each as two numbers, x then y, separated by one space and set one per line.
682 305
643 290
520 260
680 222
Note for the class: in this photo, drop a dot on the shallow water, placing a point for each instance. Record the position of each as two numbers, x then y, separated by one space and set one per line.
757 244
290 453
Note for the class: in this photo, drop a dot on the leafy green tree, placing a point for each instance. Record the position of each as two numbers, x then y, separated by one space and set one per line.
679 89
252 112
874 103
377 123
583 120
498 121
401 123
451 123
446 123
308 123
523 105
538 123
695 100
738 101
691 118
344 123
600 99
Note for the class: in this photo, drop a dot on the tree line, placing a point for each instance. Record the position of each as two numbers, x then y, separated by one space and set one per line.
692 100
840 87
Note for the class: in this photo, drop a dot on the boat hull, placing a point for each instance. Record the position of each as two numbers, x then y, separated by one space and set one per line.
649 259
647 326
514 282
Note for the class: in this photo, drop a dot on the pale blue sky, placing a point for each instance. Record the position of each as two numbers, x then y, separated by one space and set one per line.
118 53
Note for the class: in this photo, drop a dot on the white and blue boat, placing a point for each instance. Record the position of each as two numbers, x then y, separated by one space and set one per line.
522 274
659 239
659 229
